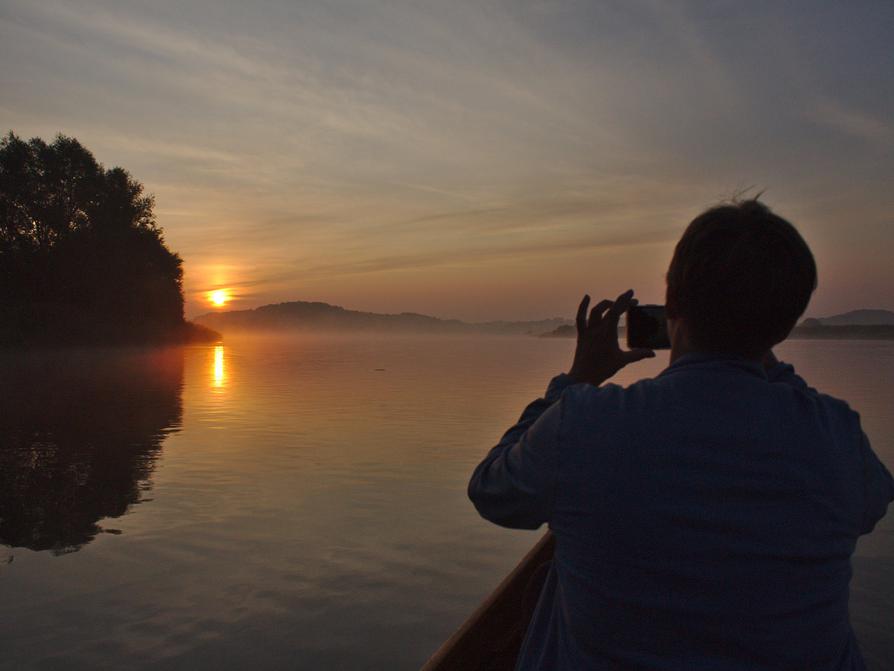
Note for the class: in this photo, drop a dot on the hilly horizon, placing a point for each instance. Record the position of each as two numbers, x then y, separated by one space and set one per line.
321 315
302 315
860 317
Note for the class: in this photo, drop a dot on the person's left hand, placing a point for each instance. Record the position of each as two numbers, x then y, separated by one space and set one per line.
598 356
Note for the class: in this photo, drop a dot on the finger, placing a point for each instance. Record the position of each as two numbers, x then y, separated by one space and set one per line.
581 319
620 307
596 312
633 304
638 354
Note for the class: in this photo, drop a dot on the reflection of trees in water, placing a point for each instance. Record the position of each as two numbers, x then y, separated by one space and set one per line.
80 431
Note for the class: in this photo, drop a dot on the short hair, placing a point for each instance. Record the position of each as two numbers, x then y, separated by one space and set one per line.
741 276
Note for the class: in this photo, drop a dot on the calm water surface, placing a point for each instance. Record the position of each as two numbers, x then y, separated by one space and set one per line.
296 503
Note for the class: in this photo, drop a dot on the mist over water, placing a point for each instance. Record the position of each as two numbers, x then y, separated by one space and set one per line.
297 501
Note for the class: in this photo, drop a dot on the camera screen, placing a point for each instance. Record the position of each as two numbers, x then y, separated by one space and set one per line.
647 327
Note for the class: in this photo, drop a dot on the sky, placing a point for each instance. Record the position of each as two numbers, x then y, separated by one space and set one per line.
476 160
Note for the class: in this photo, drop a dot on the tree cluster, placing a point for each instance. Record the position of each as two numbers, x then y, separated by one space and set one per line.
81 257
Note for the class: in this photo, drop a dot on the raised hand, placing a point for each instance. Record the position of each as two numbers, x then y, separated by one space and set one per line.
598 356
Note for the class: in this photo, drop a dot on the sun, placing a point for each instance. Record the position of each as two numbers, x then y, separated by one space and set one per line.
219 297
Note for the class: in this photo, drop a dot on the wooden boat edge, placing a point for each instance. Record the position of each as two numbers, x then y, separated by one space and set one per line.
467 646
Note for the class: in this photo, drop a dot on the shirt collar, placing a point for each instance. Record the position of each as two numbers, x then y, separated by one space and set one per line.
715 361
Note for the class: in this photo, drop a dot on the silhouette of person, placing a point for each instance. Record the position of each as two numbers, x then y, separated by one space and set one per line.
703 519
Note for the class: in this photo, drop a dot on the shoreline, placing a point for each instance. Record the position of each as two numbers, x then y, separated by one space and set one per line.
187 333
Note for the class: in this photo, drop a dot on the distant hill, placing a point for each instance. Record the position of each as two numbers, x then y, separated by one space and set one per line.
570 331
317 316
845 331
563 331
853 325
854 318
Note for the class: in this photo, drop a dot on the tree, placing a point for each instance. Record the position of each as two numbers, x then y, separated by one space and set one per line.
81 256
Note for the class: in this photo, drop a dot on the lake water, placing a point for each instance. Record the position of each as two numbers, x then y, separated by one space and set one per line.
297 502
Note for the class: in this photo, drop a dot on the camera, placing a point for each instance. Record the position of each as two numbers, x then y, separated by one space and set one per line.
647 327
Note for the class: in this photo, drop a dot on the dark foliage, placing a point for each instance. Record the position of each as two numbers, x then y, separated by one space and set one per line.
81 257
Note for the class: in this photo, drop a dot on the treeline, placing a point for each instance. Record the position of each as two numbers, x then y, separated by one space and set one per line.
82 259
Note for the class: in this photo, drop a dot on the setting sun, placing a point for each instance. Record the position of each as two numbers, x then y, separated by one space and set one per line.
219 297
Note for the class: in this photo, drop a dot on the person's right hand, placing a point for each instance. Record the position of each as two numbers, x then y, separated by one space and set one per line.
598 356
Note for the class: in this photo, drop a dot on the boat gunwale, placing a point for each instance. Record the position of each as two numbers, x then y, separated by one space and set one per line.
467 646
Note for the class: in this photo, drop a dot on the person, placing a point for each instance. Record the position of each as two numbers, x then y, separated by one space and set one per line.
703 519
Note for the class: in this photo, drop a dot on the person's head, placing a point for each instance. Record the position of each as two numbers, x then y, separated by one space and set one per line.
739 279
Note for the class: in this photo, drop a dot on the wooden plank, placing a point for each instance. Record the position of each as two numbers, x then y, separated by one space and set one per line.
491 638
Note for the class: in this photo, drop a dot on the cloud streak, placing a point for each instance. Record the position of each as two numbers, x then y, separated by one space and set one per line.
289 144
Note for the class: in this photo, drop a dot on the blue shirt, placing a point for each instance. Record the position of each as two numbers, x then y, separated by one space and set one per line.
704 519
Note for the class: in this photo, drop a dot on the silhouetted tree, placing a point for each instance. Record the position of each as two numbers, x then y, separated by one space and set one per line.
81 256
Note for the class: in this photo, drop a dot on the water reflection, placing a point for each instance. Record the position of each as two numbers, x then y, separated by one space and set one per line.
219 374
80 431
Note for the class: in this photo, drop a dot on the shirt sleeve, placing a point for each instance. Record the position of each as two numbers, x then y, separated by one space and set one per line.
515 484
879 486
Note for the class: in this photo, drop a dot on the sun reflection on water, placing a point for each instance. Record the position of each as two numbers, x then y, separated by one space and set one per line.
219 374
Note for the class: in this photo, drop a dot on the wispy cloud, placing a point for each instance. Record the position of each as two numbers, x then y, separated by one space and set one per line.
294 142
878 132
